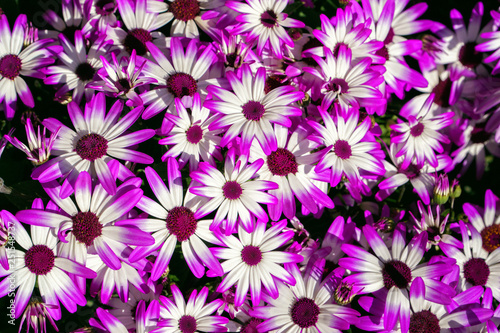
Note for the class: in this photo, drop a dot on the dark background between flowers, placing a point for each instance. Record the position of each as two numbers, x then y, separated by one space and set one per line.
15 169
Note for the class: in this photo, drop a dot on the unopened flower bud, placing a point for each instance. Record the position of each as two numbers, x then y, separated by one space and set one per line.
344 293
441 190
385 224
456 190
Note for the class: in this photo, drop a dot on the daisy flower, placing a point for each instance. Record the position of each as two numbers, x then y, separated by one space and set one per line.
42 263
420 136
174 219
392 272
344 82
349 148
478 267
265 23
249 111
37 315
190 136
177 316
181 77
99 15
304 307
16 62
486 220
97 139
251 260
77 68
72 20
291 166
233 194
89 226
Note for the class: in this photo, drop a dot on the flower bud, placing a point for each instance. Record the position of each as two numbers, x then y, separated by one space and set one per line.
441 190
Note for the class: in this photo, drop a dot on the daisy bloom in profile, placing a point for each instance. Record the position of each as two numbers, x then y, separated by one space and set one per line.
177 316
305 306
37 315
291 166
97 139
265 23
486 220
249 111
233 194
252 261
42 263
181 77
349 148
174 220
89 226
16 62
190 136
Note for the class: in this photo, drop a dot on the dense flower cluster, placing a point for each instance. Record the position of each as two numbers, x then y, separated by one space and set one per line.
288 178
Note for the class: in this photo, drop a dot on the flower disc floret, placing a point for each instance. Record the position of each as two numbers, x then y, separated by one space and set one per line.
251 255
396 273
417 130
491 237
282 162
468 56
86 227
184 10
342 149
91 147
187 324
39 259
10 66
253 110
136 39
424 322
476 272
232 190
305 312
181 84
442 92
269 19
181 223
194 134
85 71
250 326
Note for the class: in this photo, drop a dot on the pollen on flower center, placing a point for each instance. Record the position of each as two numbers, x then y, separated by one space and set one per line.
91 147
417 130
181 223
184 10
468 55
136 40
85 71
269 19
396 273
305 312
476 272
442 93
282 162
251 255
342 149
194 134
253 110
232 190
424 322
338 85
187 324
10 66
86 227
39 259
250 326
180 85
491 237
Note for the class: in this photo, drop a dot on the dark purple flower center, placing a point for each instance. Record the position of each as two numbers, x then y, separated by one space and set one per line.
417 130
305 312
269 19
234 60
295 34
412 171
251 255
383 52
468 55
311 43
390 37
181 223
282 162
85 71
250 326
442 93
338 85
136 40
10 66
273 82
91 147
123 85
180 85
433 233
105 7
69 32
491 237
342 149
396 273
194 134
476 272
253 110
479 135
86 227
184 10
424 322
187 324
232 190
39 259
336 48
